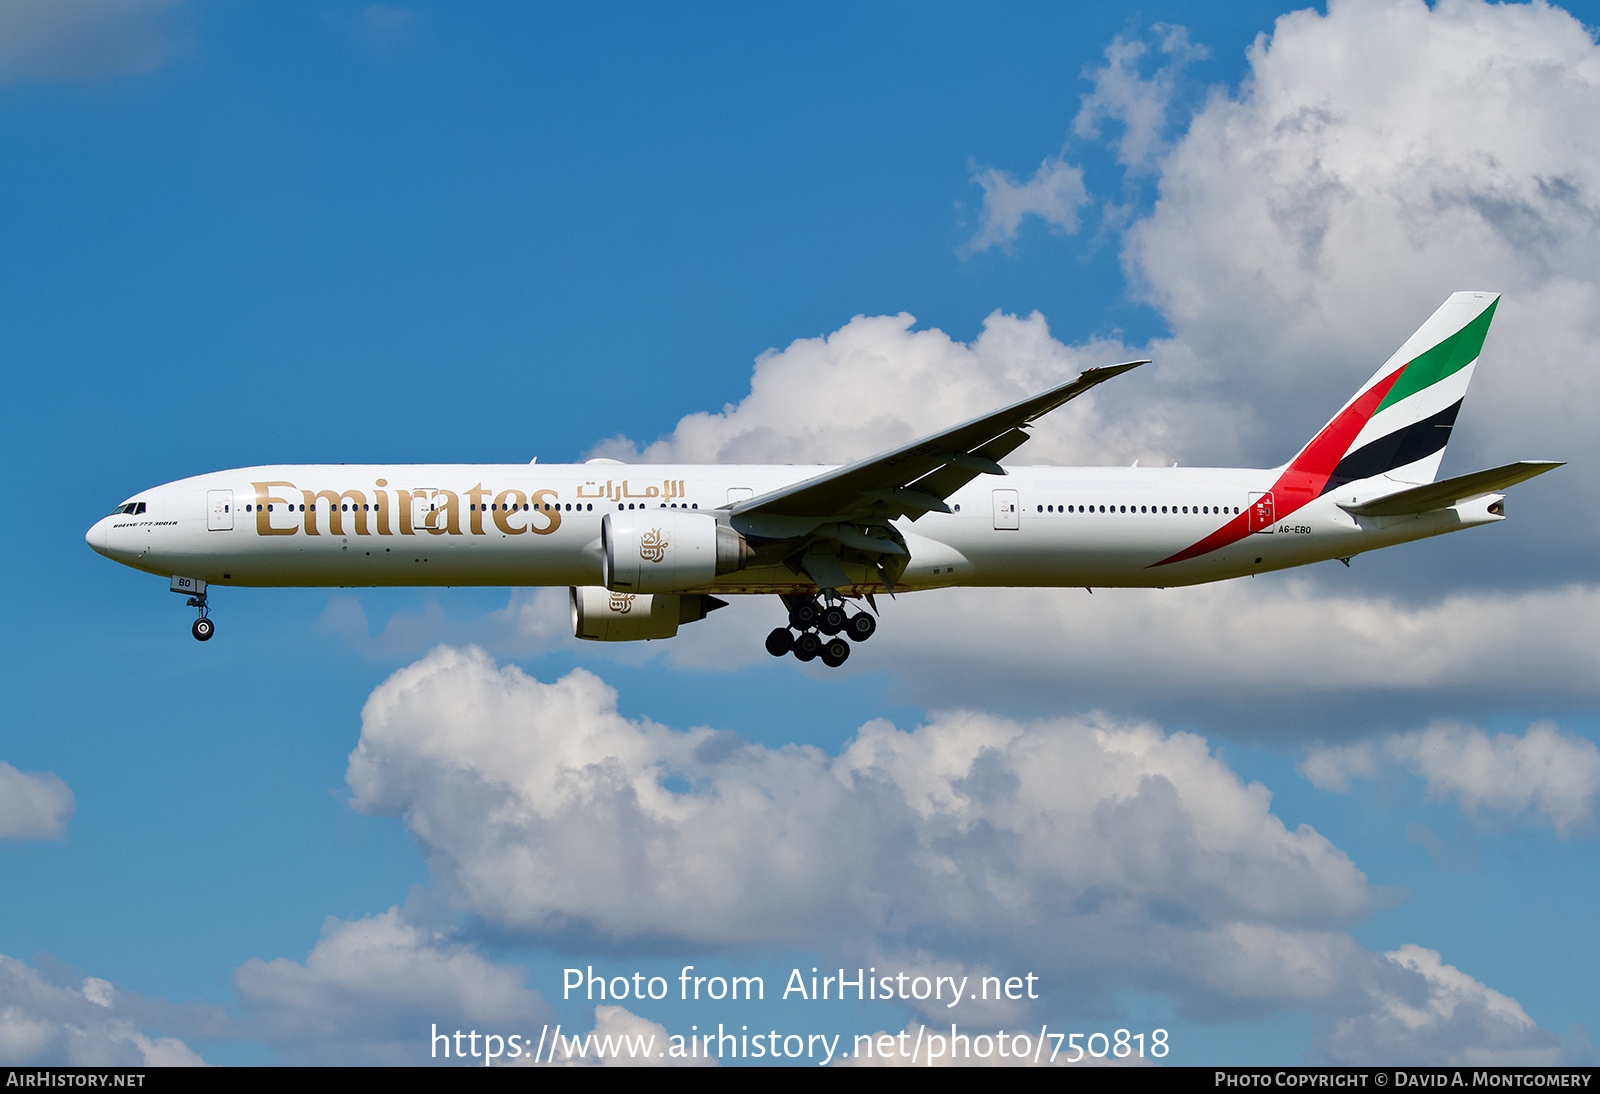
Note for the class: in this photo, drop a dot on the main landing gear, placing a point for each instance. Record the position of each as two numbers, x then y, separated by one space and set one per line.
203 628
819 626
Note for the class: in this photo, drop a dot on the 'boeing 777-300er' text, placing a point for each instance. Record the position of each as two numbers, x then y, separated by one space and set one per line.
648 548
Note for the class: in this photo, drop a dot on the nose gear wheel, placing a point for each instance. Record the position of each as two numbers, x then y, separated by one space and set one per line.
202 628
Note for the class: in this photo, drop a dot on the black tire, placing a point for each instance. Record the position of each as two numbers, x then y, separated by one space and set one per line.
203 629
835 653
832 619
802 617
780 642
861 627
807 646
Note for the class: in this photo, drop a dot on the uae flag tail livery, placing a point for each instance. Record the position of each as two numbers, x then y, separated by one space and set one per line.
1400 420
1394 429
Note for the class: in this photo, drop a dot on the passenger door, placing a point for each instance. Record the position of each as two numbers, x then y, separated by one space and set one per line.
219 510
1007 513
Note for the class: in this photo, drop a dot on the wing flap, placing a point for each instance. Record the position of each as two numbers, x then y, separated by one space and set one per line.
947 480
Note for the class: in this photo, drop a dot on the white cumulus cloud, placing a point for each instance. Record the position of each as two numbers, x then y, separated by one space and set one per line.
1054 194
1221 642
541 808
34 804
1141 105
1425 1012
905 383
1214 644
373 989
1102 854
1377 158
1544 772
88 1023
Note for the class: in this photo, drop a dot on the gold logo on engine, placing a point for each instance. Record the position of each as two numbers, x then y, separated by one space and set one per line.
653 546
622 603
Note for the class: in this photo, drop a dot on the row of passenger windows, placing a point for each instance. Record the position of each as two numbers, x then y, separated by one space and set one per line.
1158 509
133 508
491 508
343 508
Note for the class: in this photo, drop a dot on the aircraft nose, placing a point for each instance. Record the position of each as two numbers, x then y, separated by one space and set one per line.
96 536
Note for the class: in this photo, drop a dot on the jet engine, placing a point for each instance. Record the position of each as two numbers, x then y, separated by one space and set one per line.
667 550
601 615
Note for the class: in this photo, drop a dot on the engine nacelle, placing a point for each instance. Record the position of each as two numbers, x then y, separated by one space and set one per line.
667 550
601 615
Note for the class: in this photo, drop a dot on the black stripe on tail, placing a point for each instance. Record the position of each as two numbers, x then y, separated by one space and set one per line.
1403 446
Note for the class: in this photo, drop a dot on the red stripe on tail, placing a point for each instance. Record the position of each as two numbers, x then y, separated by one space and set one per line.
1303 479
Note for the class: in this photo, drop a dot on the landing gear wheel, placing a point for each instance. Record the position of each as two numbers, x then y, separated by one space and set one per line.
832 620
807 646
802 617
835 652
861 627
780 641
203 629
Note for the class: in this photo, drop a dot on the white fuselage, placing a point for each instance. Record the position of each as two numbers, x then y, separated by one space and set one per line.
534 525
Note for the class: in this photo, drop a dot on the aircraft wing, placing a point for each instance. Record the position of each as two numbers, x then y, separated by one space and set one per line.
914 478
1442 495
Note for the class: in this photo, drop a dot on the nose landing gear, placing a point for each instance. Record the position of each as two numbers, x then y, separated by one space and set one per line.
818 625
203 628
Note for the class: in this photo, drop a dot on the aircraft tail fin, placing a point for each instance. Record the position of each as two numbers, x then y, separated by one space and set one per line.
1398 423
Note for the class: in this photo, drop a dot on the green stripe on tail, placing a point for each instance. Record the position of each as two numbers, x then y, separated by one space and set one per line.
1450 356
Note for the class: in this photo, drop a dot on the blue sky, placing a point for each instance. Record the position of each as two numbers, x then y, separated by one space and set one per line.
247 233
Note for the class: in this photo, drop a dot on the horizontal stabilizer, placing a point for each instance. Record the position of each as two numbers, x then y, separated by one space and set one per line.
1442 495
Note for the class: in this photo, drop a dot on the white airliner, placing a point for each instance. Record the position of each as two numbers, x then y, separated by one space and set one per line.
647 548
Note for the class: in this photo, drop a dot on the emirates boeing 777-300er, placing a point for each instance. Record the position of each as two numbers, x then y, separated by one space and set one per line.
648 548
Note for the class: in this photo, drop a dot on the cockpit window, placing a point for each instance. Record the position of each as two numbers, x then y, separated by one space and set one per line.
132 508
